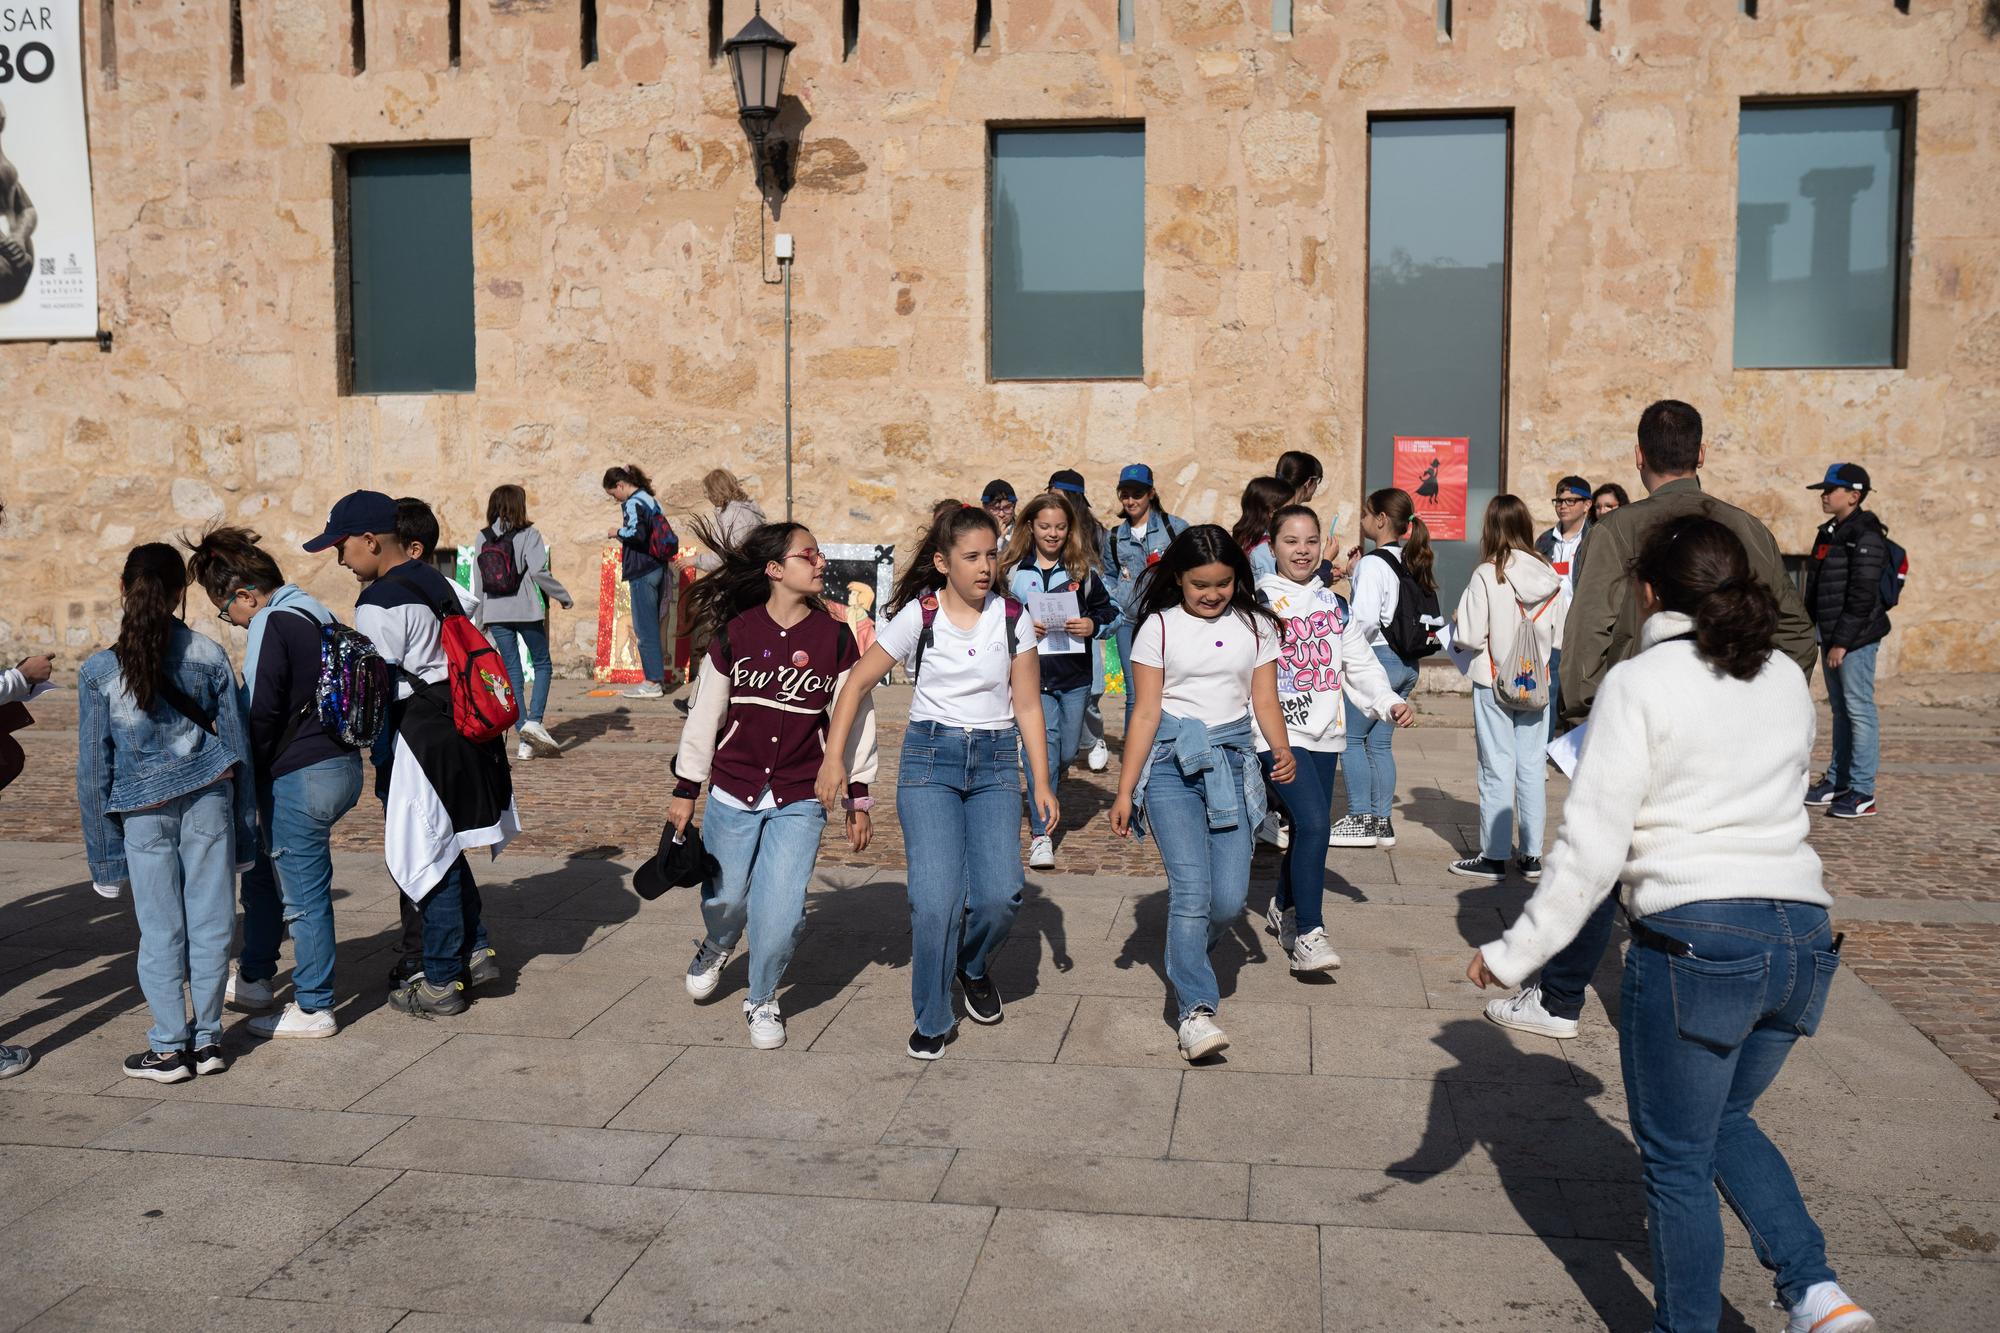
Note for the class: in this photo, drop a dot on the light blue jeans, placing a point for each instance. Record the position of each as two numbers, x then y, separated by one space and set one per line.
1371 755
646 625
1699 1040
1208 874
1062 721
292 883
764 859
958 798
182 858
1122 636
1850 692
533 637
1513 757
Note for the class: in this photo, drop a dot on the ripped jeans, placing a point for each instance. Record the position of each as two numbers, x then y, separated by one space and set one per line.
290 888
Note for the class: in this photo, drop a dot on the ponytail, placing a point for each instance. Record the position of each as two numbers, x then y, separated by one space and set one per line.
923 577
1396 505
154 582
630 475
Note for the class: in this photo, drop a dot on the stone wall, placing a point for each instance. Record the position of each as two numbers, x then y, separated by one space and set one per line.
622 315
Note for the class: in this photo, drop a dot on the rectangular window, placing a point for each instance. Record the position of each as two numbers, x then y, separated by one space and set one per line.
982 24
1067 243
1437 317
1820 226
409 258
1125 28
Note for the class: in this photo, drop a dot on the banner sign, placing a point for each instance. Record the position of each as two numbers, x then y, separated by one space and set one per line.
1433 471
48 248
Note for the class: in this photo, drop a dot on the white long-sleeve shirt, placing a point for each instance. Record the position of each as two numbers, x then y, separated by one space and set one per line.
1691 788
13 686
1377 590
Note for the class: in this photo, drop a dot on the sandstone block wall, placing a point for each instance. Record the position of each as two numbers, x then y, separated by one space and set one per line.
622 314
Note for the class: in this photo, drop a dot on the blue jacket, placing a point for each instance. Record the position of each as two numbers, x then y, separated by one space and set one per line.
635 562
128 760
1125 556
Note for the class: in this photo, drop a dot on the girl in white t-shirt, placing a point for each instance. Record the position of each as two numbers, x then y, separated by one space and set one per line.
1204 656
971 653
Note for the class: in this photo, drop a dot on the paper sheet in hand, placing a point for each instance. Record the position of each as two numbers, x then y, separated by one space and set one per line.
1567 748
1052 610
1460 657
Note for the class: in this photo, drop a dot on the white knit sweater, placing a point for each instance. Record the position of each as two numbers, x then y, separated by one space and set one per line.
1691 788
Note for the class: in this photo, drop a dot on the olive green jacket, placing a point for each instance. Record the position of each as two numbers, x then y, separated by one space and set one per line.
1603 625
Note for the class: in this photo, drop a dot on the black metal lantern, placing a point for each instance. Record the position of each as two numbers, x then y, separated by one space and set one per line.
757 58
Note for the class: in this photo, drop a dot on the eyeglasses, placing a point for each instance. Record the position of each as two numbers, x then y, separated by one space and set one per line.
1571 500
812 555
227 603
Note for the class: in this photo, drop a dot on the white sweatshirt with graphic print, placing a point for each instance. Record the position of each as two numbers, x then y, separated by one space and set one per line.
1324 655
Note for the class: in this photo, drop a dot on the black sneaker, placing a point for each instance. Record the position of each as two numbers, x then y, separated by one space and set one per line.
209 1059
982 999
1853 805
481 968
406 970
420 999
159 1066
1531 867
1479 867
929 1048
1385 831
1823 792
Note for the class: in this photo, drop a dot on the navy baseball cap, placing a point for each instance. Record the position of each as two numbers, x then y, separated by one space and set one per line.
1067 480
1138 472
353 514
1851 475
996 489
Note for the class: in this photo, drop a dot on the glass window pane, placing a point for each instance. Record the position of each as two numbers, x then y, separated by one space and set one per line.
409 235
1818 221
1068 253
1437 309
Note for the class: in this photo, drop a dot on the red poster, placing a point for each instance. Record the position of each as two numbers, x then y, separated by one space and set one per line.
1433 471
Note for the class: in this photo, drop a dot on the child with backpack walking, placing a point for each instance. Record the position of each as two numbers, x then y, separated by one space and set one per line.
307 775
647 549
756 731
970 653
512 581
1396 604
1204 660
163 783
441 768
1327 674
1051 553
1512 613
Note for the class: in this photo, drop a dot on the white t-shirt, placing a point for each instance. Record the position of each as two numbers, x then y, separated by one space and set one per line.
965 680
1208 663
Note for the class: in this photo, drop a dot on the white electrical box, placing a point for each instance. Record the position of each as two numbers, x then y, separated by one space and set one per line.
784 245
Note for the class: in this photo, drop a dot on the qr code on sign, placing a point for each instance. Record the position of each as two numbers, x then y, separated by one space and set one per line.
48 267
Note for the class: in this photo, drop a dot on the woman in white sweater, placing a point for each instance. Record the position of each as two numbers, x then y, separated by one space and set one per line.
1689 792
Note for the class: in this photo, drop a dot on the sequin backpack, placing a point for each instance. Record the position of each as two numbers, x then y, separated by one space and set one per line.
352 694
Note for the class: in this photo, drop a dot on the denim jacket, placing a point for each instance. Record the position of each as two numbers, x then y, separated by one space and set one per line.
131 760
1126 556
1194 748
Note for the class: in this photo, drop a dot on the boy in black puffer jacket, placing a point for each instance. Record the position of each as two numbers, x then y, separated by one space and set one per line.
1844 594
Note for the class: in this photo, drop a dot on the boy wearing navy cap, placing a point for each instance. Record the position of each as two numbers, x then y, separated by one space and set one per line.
1844 595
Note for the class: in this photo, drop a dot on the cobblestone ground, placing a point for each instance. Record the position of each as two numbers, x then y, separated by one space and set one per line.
1935 840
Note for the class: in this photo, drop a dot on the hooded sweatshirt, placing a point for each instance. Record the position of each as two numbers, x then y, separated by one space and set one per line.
1490 611
1325 651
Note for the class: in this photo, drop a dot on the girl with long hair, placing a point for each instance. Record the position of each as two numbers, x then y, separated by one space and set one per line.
1688 794
163 782
513 581
736 516
970 654
1302 472
1068 483
1512 586
1050 553
639 515
1205 658
304 779
1262 497
1402 558
1326 675
756 732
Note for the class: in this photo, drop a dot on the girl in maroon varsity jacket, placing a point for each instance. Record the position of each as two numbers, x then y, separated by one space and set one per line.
756 733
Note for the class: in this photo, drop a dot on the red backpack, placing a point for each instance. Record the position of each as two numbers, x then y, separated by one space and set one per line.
483 705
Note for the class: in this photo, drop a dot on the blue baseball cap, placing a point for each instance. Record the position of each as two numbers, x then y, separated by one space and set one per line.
1850 475
1138 472
1067 480
353 514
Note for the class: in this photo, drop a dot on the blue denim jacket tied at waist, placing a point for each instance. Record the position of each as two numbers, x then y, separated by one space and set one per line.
1197 748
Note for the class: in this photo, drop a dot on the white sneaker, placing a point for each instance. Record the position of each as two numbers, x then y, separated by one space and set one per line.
1352 831
294 1022
1284 923
1200 1036
767 1025
1042 854
1523 1012
537 736
524 751
1313 953
649 689
1828 1309
705 972
1100 755
1269 830
248 996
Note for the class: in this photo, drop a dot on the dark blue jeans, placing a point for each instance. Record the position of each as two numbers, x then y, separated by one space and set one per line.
449 922
1566 977
1308 799
1700 1038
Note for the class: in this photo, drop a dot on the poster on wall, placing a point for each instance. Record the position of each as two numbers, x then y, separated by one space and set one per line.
48 248
1433 471
859 577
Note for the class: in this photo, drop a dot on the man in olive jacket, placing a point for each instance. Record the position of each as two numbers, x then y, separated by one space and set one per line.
1603 630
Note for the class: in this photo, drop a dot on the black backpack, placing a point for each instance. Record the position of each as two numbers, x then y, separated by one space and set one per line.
499 572
1895 572
1412 632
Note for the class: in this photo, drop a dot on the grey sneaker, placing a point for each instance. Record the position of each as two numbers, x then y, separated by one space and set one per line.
1385 831
420 999
15 1060
481 968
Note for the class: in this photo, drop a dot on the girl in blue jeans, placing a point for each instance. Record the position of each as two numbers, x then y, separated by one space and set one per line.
162 783
638 512
1205 656
1402 545
755 733
513 583
1050 552
1688 794
971 655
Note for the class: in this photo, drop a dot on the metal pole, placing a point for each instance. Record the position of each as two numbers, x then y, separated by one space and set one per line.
788 391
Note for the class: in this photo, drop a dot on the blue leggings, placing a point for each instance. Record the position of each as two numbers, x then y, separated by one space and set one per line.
1308 799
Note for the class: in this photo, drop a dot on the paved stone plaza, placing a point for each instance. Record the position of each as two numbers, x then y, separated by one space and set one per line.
587 1145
